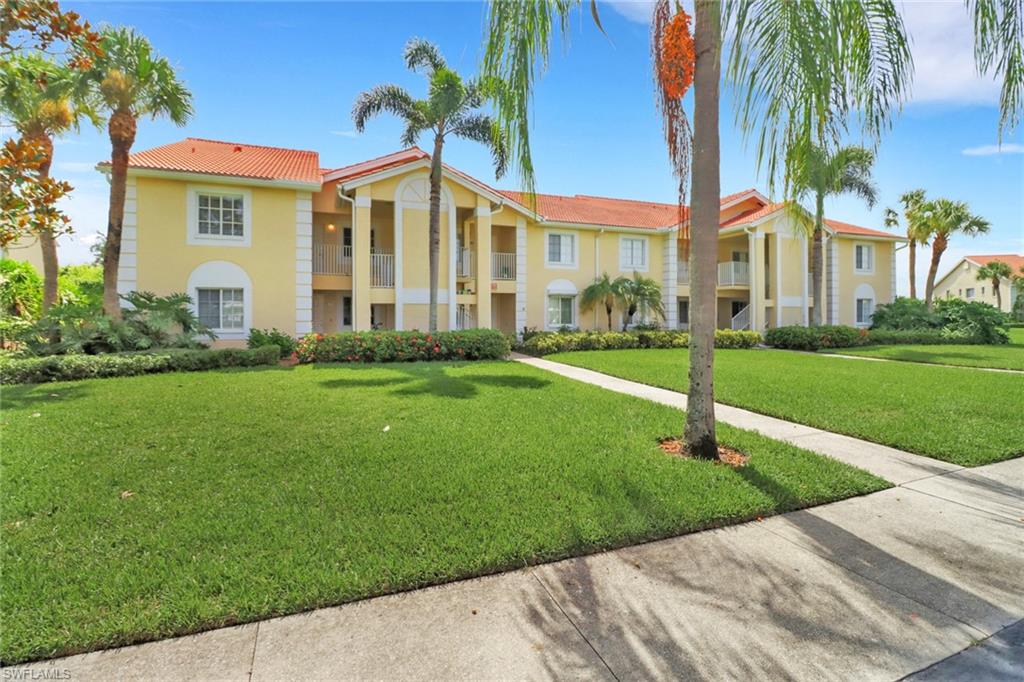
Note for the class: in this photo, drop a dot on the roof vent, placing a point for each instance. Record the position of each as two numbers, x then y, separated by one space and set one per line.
238 148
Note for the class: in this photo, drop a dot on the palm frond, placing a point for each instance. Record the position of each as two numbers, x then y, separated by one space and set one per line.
483 129
999 46
383 98
519 37
421 53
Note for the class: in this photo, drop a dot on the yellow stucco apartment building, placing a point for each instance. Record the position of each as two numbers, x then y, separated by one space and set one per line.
265 237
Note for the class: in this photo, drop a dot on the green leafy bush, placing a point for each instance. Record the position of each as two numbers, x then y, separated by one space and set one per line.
547 343
797 337
919 337
81 285
74 367
272 337
21 289
972 320
904 313
389 346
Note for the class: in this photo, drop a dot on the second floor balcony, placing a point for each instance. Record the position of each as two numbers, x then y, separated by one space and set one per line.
335 259
730 273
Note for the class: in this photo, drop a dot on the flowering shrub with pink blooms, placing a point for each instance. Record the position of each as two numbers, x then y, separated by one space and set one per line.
390 346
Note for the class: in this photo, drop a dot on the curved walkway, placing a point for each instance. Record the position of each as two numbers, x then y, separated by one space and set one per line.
875 587
894 465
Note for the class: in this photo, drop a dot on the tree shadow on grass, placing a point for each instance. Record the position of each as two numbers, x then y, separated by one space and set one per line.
38 395
421 379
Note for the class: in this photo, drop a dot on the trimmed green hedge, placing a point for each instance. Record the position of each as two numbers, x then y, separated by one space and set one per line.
75 367
558 342
797 337
390 346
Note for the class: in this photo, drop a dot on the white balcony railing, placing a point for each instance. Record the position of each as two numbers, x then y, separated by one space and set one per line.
382 269
682 272
733 273
332 259
464 318
741 320
464 263
503 266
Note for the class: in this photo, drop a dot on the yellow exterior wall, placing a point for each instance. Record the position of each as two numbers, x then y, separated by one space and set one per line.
165 259
880 281
965 276
26 250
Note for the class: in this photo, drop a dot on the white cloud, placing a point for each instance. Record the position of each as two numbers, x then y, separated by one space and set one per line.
992 149
345 133
942 44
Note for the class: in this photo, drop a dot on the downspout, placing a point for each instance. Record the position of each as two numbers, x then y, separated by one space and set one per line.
352 207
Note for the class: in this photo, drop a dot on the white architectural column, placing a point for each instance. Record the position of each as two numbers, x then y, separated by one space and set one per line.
778 279
892 274
833 281
303 263
754 300
520 274
803 281
453 255
670 288
127 269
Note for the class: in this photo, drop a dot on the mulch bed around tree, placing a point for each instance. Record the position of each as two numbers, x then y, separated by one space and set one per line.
674 446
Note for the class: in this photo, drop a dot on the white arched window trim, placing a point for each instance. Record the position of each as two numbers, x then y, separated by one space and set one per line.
219 274
560 289
861 314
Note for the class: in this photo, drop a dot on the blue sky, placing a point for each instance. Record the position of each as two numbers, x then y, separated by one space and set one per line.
286 74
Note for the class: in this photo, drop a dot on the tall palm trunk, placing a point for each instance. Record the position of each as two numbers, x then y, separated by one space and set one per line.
121 129
608 310
912 265
999 294
435 230
816 259
938 247
47 242
705 197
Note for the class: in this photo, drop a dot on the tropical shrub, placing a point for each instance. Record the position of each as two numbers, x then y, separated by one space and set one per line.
21 289
904 313
920 337
797 337
972 320
547 343
81 285
75 367
390 346
272 337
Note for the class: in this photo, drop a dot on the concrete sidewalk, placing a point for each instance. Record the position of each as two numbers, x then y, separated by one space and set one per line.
894 465
872 588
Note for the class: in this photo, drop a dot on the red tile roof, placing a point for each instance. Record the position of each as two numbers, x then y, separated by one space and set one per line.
588 210
212 157
847 228
375 165
755 214
1013 260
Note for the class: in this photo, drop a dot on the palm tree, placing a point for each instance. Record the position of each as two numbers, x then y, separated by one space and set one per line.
944 218
131 81
999 45
450 109
818 172
42 99
603 291
995 271
799 71
917 232
638 294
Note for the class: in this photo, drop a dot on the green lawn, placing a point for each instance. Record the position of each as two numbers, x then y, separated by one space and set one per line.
969 418
263 492
1010 356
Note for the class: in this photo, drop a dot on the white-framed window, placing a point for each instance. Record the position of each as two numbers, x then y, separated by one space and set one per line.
633 254
221 309
222 298
865 309
970 292
220 216
561 250
561 311
684 312
864 258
